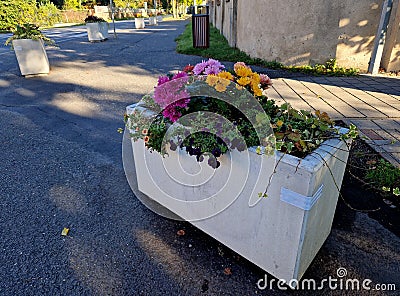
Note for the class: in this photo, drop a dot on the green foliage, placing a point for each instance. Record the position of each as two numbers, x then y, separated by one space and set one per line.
128 3
47 14
71 4
14 12
385 176
221 50
330 68
219 47
94 19
296 132
28 31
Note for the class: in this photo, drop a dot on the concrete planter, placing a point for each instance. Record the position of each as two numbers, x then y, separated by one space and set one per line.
139 23
152 21
97 31
31 56
281 233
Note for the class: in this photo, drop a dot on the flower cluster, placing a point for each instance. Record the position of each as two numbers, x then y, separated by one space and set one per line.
171 95
249 79
210 67
180 96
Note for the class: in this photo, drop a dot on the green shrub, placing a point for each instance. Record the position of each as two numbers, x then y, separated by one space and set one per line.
71 4
14 12
47 14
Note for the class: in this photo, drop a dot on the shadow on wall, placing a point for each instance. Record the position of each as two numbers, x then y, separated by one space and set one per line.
299 33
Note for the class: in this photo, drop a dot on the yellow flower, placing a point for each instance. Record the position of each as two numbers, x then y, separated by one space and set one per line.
238 65
257 91
212 80
238 87
225 75
243 71
255 78
244 81
279 123
222 84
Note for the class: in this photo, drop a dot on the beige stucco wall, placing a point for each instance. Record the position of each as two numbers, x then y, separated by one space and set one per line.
303 32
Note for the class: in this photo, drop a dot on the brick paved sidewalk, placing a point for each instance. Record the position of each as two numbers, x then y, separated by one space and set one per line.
372 103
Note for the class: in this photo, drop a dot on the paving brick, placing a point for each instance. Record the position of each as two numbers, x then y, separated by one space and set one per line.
396 157
272 94
376 107
388 99
289 95
311 98
387 136
341 106
364 124
356 103
387 123
371 134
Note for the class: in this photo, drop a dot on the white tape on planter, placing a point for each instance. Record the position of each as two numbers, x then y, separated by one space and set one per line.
298 200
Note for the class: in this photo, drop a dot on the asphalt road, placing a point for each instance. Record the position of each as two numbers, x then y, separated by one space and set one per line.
60 166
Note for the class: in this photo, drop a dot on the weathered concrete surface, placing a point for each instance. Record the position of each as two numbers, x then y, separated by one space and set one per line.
307 32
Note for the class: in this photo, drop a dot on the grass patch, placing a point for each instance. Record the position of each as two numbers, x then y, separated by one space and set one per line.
221 50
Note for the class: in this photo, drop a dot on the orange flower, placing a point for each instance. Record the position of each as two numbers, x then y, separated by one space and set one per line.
222 84
145 131
242 71
146 139
244 81
238 87
257 92
212 80
225 75
255 78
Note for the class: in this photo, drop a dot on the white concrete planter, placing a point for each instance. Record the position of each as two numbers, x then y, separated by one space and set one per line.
31 56
152 20
139 23
97 31
281 233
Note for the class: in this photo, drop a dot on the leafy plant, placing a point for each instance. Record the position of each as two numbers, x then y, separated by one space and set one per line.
14 12
71 4
221 50
385 176
297 132
29 31
47 14
94 19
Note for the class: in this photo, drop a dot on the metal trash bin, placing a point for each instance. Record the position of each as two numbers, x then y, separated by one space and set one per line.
201 26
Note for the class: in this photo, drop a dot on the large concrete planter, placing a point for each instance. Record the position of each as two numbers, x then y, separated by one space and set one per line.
139 23
281 233
152 21
97 31
31 56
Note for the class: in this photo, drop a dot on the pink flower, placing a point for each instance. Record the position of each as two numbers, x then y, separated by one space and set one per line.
171 95
180 75
213 69
199 68
265 81
209 67
162 80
